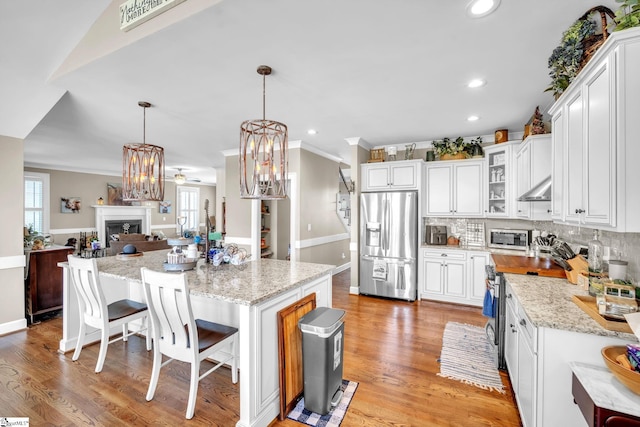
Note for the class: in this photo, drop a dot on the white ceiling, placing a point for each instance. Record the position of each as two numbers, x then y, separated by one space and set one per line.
386 71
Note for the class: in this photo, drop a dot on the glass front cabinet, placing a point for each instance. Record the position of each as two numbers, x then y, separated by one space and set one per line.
499 172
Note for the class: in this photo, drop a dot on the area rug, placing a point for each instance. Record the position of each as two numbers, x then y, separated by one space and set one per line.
466 356
335 415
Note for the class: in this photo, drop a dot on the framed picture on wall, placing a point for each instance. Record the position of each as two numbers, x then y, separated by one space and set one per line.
164 207
70 204
114 195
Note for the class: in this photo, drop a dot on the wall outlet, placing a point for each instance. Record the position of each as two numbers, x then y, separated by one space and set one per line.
308 227
343 255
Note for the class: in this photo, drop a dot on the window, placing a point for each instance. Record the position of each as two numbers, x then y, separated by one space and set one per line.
189 207
36 201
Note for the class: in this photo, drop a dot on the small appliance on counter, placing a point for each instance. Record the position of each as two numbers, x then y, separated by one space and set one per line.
436 235
509 239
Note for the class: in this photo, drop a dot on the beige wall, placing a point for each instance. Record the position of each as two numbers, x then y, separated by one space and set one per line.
11 234
90 187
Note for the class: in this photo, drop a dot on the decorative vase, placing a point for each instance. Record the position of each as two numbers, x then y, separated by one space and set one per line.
458 156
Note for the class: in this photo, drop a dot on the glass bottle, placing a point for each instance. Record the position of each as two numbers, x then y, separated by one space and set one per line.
595 254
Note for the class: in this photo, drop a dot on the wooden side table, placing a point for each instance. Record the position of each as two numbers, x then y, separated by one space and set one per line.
603 400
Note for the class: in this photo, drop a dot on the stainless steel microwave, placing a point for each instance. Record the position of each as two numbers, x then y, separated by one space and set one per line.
509 239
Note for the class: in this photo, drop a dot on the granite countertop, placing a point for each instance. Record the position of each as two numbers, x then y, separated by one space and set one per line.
247 284
605 390
548 304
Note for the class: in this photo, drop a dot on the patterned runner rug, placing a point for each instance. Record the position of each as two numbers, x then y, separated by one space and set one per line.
467 357
335 415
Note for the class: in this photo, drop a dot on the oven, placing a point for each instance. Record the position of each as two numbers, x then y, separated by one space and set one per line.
495 326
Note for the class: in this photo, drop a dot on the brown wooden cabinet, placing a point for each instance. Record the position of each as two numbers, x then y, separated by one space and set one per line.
43 280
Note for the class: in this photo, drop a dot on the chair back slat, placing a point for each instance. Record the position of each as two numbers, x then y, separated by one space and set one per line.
174 328
84 276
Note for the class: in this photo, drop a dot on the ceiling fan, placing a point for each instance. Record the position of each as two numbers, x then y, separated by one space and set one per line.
181 178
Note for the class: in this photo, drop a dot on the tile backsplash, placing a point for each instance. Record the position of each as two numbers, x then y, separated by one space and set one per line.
625 246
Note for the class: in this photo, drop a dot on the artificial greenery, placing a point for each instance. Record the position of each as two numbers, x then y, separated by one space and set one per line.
627 15
448 146
564 62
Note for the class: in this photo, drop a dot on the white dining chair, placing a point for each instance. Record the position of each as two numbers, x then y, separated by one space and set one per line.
95 312
179 336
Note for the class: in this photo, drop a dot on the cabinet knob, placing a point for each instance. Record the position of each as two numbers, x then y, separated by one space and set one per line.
523 322
509 296
579 211
444 255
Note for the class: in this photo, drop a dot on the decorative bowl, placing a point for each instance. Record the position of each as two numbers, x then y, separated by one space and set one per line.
631 379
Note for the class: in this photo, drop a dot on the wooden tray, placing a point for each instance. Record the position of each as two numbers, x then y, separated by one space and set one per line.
588 305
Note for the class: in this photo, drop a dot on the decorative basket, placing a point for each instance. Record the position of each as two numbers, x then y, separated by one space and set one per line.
631 379
458 156
592 43
376 155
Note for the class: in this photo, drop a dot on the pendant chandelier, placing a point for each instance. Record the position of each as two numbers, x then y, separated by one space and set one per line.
263 155
143 168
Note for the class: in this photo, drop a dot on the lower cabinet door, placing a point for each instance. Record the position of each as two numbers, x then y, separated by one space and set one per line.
433 277
511 346
526 381
455 284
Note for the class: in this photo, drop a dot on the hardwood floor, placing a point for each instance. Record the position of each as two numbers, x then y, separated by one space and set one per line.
391 350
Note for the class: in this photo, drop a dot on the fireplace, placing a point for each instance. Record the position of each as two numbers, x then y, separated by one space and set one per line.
111 220
121 226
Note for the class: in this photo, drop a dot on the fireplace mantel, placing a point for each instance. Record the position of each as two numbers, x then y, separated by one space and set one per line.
114 213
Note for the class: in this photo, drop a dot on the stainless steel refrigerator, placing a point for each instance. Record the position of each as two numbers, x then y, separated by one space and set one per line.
389 244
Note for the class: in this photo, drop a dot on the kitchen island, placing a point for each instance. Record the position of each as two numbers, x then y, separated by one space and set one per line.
247 296
546 332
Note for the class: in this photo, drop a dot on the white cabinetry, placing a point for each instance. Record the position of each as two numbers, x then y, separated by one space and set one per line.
453 275
538 363
595 131
454 188
533 163
557 166
399 175
477 276
520 356
499 188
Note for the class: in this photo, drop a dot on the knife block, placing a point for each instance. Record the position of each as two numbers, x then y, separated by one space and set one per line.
578 265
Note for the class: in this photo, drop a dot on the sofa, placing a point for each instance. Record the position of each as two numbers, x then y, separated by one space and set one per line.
142 242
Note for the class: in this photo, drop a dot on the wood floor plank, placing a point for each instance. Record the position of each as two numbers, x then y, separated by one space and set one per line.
391 348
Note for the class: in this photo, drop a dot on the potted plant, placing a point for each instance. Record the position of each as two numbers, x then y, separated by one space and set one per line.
628 15
566 59
448 149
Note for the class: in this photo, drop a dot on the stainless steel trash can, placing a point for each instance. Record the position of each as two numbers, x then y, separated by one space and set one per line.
322 351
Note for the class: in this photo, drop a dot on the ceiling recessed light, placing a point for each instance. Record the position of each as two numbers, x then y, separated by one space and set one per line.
480 8
312 132
473 118
476 83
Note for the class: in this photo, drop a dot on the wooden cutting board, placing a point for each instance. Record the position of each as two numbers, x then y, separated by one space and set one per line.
536 266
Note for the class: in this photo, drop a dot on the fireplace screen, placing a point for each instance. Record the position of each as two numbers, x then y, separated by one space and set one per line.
130 226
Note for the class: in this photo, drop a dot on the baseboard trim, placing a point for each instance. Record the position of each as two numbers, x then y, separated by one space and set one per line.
13 326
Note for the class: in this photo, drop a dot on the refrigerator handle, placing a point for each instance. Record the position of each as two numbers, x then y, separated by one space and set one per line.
387 224
401 279
383 228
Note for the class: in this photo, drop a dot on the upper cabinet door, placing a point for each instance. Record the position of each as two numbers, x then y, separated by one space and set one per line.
599 201
558 139
439 188
574 160
404 176
469 200
375 177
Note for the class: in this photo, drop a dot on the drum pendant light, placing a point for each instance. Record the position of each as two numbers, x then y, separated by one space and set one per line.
143 168
263 155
